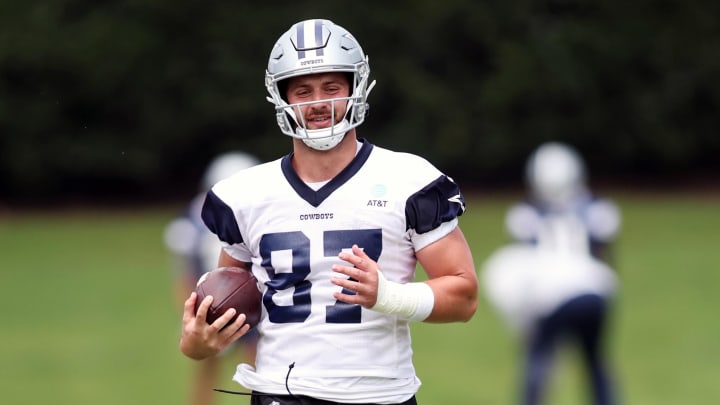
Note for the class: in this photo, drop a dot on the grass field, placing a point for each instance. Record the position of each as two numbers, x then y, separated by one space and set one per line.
89 318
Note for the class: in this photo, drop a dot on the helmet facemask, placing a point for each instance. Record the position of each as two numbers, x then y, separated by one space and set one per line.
335 50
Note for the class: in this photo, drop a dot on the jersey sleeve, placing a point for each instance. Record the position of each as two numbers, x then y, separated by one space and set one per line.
220 219
432 212
439 202
522 222
603 220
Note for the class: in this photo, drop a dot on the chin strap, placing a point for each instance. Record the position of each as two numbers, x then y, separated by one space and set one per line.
324 139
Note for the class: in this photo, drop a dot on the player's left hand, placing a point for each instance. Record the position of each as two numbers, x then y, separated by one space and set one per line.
363 278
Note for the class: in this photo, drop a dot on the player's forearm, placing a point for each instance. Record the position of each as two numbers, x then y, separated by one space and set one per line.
445 299
456 299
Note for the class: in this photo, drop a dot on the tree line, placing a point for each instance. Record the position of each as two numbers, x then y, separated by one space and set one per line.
119 99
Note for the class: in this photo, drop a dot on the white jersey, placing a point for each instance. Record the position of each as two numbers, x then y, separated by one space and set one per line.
553 260
391 205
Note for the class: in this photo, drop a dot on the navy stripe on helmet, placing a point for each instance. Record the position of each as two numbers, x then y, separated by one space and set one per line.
301 40
318 38
303 47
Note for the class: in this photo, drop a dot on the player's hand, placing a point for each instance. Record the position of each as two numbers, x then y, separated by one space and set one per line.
200 340
363 278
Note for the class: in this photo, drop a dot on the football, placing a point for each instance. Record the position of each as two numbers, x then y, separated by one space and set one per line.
231 287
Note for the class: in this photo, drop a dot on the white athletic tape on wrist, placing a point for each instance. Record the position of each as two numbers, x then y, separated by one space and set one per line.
413 301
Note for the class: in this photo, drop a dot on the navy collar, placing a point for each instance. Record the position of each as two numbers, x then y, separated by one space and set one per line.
315 198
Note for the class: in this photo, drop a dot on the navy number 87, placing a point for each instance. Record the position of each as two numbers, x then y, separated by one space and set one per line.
370 240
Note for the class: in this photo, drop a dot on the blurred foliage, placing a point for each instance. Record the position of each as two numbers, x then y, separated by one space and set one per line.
114 98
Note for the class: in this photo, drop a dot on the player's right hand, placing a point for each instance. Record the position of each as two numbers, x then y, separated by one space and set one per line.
200 340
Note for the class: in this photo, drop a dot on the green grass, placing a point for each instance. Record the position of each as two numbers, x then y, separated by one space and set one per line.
88 316
88 312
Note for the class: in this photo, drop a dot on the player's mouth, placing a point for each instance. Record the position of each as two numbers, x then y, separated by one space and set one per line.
318 122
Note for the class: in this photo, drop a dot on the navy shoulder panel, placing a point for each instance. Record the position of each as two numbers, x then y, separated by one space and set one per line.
438 202
220 219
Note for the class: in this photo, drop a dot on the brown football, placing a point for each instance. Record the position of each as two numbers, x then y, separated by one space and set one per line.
231 287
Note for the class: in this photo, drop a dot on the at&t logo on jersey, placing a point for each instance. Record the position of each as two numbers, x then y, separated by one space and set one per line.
377 203
378 191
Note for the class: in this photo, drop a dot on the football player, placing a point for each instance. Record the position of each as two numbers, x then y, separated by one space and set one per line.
196 249
555 281
333 231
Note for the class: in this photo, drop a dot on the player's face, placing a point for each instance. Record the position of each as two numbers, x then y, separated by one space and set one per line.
316 90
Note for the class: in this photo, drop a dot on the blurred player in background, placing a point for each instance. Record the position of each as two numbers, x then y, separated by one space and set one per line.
554 284
196 251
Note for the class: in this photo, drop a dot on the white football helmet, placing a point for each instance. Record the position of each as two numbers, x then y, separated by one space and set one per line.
556 174
225 165
318 46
